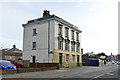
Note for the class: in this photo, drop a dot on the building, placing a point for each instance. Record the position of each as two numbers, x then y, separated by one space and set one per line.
52 39
12 53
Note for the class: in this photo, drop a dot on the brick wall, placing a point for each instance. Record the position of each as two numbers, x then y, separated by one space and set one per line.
25 70
40 65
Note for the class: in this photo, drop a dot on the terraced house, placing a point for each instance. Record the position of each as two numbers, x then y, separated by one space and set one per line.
52 39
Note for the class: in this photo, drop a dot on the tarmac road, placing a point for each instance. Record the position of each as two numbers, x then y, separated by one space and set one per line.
89 73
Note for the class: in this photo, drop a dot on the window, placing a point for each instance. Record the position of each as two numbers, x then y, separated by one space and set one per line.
77 36
34 32
34 46
60 44
66 32
10 56
72 34
67 57
73 58
60 29
66 45
72 46
78 48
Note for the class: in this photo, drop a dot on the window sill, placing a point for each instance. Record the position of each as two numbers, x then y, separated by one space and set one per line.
33 49
34 35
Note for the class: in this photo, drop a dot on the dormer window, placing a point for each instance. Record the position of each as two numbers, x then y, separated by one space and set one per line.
34 32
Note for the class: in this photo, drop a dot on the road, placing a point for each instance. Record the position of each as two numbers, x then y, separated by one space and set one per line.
88 73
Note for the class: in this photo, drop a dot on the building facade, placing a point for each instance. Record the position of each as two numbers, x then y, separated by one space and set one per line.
52 39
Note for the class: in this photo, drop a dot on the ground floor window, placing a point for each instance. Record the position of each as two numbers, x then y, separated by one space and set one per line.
67 57
73 58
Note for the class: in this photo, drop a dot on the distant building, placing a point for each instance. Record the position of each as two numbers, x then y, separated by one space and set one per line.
52 39
12 53
118 57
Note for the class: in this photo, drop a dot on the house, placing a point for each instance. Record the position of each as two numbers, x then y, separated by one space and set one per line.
52 39
12 53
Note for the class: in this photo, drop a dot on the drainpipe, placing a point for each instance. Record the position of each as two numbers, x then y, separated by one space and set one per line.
48 39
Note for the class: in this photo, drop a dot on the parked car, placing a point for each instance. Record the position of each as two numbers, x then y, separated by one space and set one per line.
6 65
113 62
118 62
16 64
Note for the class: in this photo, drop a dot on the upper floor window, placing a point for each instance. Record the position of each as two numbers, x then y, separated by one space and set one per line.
60 43
77 36
60 29
66 32
72 46
34 31
34 45
78 48
72 34
66 45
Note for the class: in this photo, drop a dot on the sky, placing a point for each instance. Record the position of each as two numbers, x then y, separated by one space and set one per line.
98 20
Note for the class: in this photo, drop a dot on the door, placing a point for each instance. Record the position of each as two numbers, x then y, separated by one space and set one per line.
78 64
60 59
33 59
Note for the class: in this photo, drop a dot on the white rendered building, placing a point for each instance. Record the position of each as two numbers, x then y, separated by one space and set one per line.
51 39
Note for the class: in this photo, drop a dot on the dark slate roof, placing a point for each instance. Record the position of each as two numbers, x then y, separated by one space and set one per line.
43 18
12 51
53 16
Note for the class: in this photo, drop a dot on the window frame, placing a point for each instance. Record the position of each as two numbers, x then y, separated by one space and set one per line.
33 45
72 34
34 31
66 45
77 36
66 32
78 48
60 47
67 58
73 58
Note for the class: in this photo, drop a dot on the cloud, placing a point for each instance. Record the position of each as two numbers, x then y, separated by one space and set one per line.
90 9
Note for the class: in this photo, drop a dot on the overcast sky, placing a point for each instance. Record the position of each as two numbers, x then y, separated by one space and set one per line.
98 20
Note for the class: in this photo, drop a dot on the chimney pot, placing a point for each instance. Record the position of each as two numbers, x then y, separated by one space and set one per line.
14 47
46 13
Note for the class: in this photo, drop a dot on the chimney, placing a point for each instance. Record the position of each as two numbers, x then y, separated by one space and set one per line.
46 13
14 47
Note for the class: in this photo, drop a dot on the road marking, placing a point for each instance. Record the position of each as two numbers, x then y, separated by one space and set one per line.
109 73
99 76
102 75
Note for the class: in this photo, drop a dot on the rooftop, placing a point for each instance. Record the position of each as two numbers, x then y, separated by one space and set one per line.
48 16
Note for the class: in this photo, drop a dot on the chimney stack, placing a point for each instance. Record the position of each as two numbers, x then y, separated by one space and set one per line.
14 47
46 13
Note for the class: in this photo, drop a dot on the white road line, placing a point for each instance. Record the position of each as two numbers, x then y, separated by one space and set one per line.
102 75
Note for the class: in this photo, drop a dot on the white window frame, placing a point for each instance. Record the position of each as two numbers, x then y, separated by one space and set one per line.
67 57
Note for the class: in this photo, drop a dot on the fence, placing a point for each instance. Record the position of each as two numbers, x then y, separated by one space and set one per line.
41 65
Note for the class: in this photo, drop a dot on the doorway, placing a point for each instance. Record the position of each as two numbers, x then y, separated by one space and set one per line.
60 59
33 59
